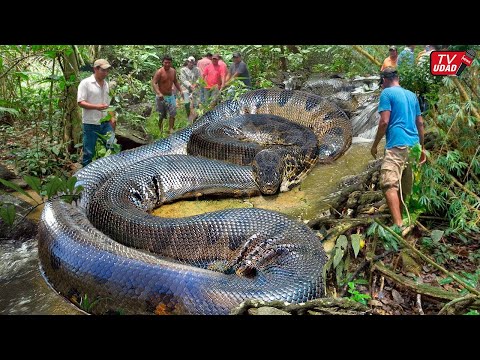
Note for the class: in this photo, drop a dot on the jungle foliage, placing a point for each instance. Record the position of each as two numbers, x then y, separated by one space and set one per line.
38 83
40 128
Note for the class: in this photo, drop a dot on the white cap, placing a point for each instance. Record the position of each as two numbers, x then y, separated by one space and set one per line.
191 58
104 64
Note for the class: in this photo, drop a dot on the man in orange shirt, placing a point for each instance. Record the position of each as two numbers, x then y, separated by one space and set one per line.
214 76
391 60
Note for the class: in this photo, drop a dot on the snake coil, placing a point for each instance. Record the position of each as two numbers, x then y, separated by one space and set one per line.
109 248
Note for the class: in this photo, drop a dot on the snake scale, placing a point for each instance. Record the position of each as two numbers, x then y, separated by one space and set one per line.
127 261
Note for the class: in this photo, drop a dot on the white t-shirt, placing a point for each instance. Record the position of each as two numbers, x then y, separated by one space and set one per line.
90 91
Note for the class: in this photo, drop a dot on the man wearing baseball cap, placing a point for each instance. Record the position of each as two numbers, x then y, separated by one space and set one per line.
94 99
215 78
189 75
402 124
391 60
239 69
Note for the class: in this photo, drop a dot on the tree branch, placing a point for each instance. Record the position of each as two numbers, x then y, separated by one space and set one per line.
424 289
428 260
464 96
367 55
16 62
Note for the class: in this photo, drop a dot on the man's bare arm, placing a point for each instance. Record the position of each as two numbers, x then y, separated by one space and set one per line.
86 105
382 129
421 136
155 80
420 128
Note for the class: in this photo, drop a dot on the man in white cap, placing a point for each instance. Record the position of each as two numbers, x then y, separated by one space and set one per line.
94 99
189 75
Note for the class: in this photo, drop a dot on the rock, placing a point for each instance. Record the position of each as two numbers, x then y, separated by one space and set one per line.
353 199
6 173
23 228
369 197
129 139
143 109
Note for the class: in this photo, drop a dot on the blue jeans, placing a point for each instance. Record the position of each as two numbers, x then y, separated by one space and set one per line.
202 95
90 139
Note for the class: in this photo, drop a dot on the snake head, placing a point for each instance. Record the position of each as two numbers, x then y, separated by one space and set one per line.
268 171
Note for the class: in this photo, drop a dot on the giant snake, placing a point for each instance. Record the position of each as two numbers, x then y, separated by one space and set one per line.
109 248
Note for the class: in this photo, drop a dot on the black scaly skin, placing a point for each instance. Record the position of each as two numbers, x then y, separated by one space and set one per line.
281 152
204 264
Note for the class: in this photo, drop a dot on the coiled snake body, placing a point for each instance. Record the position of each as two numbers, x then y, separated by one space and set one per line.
281 152
204 264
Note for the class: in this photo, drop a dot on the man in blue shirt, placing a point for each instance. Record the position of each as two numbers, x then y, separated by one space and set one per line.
406 55
402 123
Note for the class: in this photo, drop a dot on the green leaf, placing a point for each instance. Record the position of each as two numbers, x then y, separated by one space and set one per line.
338 257
105 118
329 263
52 186
56 150
71 184
7 213
437 235
340 247
372 230
15 187
34 182
11 111
447 280
22 75
361 281
356 243
342 242
472 312
50 54
339 272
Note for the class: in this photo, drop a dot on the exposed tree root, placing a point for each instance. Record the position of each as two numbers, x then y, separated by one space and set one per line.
424 289
323 306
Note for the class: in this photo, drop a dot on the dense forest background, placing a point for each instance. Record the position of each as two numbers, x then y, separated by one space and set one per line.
40 122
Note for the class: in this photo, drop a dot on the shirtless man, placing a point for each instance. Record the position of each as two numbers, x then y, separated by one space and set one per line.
165 101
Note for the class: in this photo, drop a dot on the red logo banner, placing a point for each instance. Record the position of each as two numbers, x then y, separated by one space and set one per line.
450 63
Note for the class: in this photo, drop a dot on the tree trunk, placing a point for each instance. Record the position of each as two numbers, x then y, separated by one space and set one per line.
283 59
293 49
94 50
73 121
367 55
